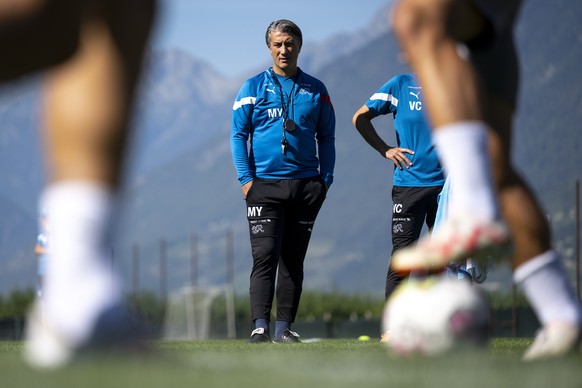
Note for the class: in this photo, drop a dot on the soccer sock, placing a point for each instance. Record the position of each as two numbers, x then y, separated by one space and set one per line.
280 327
548 289
79 284
262 322
462 149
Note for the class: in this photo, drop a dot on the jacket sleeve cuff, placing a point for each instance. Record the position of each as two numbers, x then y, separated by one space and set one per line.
327 179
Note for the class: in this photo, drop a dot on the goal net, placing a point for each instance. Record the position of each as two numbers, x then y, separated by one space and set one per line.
199 313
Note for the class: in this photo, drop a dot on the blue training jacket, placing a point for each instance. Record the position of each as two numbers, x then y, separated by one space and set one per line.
401 96
258 115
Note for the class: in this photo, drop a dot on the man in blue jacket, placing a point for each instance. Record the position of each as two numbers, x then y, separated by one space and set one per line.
287 119
418 176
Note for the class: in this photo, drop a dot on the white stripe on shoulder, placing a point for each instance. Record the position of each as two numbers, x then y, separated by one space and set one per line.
385 97
244 101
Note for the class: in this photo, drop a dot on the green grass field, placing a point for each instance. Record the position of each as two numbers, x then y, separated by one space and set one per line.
326 363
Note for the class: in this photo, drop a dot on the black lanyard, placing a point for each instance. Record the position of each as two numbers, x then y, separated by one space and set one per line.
288 123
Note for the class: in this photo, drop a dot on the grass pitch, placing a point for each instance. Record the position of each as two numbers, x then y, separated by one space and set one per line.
325 363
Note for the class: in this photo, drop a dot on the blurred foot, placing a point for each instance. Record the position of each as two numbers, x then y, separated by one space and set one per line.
456 240
44 346
554 340
115 330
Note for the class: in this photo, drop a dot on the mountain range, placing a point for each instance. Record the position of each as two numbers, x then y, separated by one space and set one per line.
181 185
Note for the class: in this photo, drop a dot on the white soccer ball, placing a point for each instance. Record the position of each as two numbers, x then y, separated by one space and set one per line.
435 315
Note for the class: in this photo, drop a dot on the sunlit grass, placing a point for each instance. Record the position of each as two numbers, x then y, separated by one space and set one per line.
325 363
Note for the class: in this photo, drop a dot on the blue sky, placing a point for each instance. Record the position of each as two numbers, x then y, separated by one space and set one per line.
229 34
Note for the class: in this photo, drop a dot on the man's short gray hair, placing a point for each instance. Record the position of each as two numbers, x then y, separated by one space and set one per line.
286 26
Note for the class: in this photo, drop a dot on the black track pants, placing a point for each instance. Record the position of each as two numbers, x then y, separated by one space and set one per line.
281 214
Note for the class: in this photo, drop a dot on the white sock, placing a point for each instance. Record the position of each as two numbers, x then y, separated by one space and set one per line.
78 284
462 149
548 289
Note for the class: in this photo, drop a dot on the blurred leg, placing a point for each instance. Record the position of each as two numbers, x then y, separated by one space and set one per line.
452 90
88 102
471 102
35 34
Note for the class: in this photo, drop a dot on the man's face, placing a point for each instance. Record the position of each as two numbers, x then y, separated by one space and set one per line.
285 50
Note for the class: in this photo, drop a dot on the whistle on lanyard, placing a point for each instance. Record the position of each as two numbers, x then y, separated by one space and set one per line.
284 145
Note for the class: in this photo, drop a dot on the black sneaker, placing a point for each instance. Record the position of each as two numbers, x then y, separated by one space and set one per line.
287 337
259 335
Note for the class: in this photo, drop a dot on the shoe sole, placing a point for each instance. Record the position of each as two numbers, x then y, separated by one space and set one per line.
408 260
